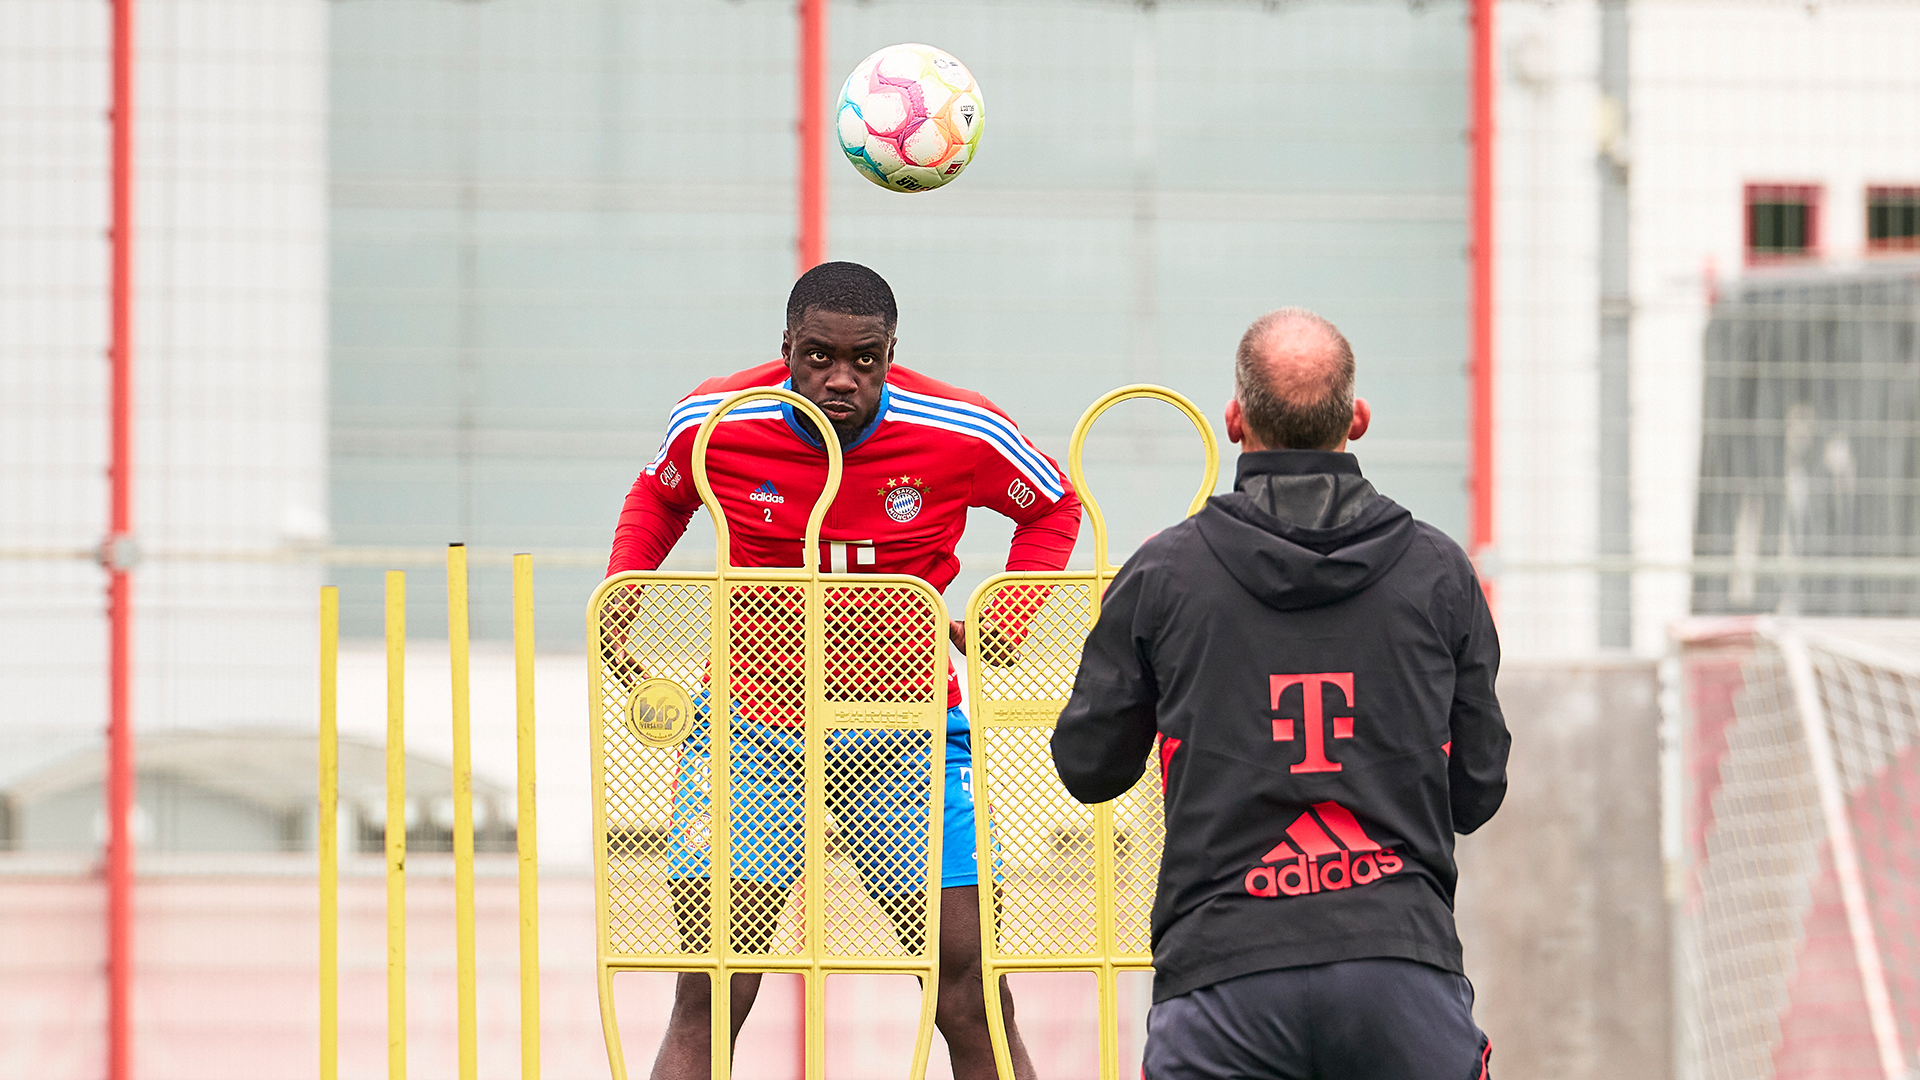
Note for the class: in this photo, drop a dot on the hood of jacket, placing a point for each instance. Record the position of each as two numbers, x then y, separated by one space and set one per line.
1303 528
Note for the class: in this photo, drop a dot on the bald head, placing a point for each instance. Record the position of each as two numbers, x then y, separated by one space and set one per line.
1293 379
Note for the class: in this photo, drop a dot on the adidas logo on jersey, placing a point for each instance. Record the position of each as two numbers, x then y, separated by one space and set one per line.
766 494
1326 850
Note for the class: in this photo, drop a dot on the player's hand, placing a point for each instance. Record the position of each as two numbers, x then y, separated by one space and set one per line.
616 658
995 649
621 668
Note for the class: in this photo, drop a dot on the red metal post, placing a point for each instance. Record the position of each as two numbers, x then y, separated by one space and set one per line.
1480 322
811 190
811 248
811 104
118 556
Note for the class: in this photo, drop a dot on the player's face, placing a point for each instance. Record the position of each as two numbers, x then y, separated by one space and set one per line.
839 362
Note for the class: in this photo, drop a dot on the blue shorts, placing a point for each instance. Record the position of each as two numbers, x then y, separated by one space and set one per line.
877 794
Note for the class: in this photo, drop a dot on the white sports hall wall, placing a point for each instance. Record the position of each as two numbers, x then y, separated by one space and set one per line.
1720 93
230 351
1546 292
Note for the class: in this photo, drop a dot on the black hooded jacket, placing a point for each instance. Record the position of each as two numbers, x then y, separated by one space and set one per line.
1318 667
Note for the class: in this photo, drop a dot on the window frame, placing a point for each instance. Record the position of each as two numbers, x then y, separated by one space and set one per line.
1900 245
1811 196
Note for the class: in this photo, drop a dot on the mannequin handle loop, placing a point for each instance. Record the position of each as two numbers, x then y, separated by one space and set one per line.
1077 446
773 395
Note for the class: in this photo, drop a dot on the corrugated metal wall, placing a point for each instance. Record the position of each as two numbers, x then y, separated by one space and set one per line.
550 220
1810 455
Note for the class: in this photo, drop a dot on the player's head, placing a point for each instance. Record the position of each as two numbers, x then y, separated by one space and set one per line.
844 287
839 342
1293 385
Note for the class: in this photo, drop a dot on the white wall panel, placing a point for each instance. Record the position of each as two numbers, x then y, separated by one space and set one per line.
1547 296
53 371
229 352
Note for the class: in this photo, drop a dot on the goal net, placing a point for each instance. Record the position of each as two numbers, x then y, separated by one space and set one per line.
1796 829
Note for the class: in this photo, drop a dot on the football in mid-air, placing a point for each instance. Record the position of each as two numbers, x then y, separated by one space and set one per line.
909 117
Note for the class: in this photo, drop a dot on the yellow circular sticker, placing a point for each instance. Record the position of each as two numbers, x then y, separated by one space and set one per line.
659 712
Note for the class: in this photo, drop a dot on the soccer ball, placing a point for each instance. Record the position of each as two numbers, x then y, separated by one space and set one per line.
909 117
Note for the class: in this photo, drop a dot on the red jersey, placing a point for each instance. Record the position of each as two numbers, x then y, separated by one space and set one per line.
931 451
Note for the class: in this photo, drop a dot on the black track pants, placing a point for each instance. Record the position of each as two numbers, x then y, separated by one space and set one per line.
1374 1019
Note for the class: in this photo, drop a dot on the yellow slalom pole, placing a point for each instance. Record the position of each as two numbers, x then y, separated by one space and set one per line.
396 828
524 829
462 807
329 833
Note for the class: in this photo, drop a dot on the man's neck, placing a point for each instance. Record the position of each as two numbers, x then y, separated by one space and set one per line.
1316 489
1251 445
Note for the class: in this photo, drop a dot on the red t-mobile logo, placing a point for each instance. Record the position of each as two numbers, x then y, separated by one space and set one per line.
1314 715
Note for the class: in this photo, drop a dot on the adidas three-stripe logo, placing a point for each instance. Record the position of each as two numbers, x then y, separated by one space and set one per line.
765 493
1326 850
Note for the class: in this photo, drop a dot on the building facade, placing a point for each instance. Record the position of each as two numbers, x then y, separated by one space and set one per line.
1651 153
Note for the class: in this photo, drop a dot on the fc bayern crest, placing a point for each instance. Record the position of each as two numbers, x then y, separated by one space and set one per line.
903 504
904 497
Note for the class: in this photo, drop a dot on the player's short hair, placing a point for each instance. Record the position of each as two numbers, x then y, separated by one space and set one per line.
844 287
1308 413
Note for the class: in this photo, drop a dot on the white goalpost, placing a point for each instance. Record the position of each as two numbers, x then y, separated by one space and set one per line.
1795 875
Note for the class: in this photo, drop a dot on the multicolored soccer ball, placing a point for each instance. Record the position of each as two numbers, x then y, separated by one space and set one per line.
909 117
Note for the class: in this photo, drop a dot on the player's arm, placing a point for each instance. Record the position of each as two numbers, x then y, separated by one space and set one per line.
1029 488
1106 732
1046 517
1477 760
652 520
656 511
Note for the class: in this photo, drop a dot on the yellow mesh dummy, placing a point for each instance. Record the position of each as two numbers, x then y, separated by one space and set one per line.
1073 885
768 757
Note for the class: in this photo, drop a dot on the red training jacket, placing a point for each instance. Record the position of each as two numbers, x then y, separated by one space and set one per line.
932 451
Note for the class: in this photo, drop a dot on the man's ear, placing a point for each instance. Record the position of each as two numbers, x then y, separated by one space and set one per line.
786 347
891 342
1236 421
1362 417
